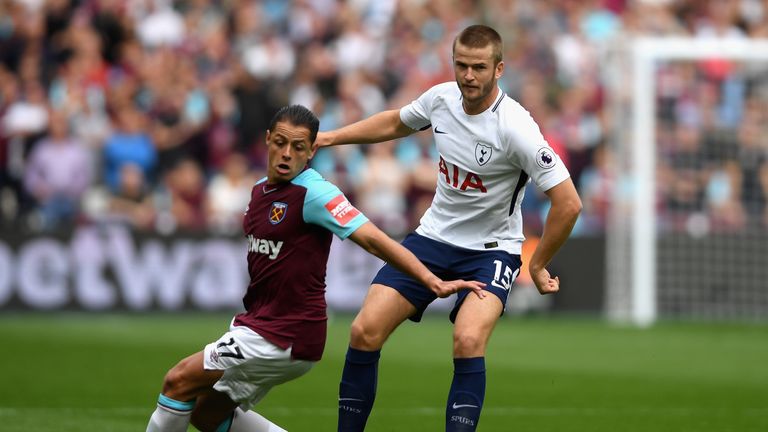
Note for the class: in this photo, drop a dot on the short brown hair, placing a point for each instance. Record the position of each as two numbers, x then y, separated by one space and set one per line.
480 36
297 115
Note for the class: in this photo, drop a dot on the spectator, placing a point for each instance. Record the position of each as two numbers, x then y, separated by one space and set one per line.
228 194
58 174
186 193
132 202
421 175
128 144
682 175
382 190
202 78
751 165
161 26
596 189
27 114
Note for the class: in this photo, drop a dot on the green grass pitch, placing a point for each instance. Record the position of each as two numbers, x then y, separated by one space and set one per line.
103 372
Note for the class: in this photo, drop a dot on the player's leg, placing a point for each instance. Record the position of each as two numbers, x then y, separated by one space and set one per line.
392 298
216 412
474 324
213 409
474 320
252 367
382 311
182 384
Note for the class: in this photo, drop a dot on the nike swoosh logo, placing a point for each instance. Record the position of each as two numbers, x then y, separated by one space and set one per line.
438 131
351 399
455 406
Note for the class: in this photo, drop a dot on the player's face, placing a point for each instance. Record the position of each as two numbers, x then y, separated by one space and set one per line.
289 150
476 74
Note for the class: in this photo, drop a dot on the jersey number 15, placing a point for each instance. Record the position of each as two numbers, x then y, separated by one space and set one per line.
504 280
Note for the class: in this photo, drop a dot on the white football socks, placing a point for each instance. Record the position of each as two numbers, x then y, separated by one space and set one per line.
249 421
174 416
166 419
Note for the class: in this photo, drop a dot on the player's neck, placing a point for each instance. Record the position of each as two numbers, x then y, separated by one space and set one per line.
474 108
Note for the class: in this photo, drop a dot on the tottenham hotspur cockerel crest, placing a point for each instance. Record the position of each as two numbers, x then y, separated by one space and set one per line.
483 153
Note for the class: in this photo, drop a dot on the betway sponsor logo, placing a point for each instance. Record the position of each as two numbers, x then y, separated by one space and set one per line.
263 246
109 267
341 209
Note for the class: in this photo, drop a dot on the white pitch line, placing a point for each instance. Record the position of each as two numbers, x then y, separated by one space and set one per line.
423 410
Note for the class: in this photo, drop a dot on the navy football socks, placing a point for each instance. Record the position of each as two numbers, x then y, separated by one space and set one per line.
357 389
465 399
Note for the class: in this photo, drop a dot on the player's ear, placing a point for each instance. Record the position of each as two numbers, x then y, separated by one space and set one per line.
312 149
266 141
499 69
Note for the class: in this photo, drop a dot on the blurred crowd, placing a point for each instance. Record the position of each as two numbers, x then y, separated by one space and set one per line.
153 112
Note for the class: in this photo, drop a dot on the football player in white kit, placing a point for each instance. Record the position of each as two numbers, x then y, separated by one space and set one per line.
489 149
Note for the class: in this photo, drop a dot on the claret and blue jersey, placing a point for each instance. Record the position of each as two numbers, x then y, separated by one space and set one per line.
289 228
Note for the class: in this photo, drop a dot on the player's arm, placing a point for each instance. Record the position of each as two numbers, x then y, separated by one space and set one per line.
565 209
384 126
376 242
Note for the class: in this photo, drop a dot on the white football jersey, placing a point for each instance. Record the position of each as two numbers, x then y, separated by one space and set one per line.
485 162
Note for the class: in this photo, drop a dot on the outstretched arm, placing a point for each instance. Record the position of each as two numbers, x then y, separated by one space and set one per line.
561 218
376 242
384 126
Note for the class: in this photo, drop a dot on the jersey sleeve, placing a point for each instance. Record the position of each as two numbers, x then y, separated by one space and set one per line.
416 115
529 149
326 205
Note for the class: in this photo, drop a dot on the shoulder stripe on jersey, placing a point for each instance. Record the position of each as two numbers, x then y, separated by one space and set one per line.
520 183
498 102
426 127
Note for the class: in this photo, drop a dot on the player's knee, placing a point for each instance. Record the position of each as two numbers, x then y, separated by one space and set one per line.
468 344
365 336
171 383
175 384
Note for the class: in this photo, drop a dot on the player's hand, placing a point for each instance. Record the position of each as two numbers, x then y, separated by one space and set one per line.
446 288
544 282
324 139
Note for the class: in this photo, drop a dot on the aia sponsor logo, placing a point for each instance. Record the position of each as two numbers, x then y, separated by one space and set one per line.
277 212
341 209
459 178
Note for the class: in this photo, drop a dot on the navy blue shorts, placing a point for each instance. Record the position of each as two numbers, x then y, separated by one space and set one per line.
496 268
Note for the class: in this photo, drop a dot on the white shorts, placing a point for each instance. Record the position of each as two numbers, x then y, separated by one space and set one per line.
251 364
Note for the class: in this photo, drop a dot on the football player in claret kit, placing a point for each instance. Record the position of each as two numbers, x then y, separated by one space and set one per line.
489 149
289 224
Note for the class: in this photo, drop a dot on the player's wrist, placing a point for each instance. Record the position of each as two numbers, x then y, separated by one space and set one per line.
432 281
325 139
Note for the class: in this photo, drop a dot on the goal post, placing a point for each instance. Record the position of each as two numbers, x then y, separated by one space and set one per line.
648 256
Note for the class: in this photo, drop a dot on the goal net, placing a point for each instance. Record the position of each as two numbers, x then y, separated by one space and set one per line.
688 231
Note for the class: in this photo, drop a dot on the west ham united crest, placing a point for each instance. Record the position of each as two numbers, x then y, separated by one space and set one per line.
277 212
483 153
